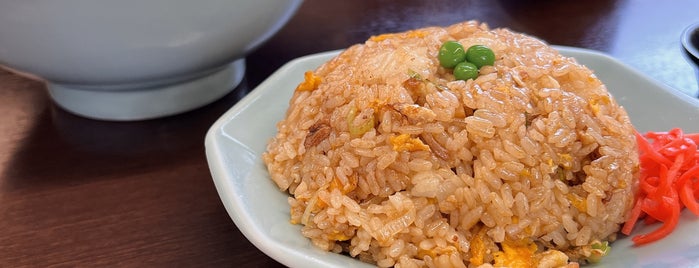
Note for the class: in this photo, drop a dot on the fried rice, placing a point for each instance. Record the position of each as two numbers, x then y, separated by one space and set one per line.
387 158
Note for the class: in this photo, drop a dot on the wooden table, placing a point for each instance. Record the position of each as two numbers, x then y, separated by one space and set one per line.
79 192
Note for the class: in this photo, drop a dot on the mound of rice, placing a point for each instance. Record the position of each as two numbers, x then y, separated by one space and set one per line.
390 160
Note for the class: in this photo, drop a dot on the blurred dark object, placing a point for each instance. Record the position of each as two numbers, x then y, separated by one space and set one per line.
690 44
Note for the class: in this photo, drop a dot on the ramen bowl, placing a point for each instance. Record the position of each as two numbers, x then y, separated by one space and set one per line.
133 60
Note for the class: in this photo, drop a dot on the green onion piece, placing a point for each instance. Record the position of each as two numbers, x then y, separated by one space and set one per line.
414 75
599 250
361 123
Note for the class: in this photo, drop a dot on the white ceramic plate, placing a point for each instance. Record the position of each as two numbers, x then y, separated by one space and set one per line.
236 141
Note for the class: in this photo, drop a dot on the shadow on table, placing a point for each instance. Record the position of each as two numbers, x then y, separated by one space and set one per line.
65 149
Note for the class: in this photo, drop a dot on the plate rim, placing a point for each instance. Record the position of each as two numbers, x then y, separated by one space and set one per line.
259 238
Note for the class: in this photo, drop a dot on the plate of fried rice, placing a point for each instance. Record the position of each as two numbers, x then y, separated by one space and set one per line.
377 155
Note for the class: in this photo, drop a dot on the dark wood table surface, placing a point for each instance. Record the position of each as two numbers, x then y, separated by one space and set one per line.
80 192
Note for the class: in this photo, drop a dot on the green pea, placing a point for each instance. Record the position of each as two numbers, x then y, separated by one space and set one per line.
465 71
450 54
480 56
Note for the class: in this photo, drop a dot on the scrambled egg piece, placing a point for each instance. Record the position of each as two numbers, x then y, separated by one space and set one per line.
516 254
409 34
477 249
596 102
310 82
577 201
554 258
404 142
566 160
436 252
338 236
344 188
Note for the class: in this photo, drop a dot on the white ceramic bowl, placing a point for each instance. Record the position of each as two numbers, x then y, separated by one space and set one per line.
235 143
136 59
